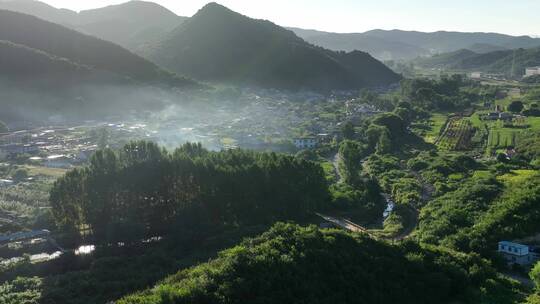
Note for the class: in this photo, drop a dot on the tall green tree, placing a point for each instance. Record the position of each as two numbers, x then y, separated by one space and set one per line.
535 275
351 154
516 106
347 130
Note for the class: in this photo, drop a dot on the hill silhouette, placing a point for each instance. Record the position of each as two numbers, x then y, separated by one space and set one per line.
220 45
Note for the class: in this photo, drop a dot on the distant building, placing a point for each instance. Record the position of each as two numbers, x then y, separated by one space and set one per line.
476 75
58 161
532 71
506 116
5 183
515 253
492 116
305 142
510 152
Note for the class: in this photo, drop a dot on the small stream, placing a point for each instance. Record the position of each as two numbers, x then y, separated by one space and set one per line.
390 206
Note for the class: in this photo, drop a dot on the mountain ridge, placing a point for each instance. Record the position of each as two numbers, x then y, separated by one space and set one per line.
118 23
408 45
62 42
511 63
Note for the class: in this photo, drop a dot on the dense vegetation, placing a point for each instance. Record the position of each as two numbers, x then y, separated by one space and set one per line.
446 94
305 265
237 49
143 191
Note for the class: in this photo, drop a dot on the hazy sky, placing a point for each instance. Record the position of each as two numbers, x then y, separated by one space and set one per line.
516 17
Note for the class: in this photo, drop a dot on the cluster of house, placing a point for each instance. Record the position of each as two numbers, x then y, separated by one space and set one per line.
520 254
312 142
55 148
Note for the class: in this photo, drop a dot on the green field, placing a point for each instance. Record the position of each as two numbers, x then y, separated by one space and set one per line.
436 123
502 137
45 171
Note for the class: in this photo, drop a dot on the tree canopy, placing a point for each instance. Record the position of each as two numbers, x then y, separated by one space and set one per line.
292 264
143 191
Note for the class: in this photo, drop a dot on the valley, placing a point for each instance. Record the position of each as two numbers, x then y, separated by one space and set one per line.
148 157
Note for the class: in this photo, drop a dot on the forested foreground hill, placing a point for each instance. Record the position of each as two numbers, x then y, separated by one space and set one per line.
78 48
220 45
291 264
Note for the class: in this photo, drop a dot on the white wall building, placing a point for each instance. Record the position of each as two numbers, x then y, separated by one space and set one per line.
532 71
305 143
58 161
476 75
515 253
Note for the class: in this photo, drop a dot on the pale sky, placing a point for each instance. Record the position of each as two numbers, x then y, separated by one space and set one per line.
515 17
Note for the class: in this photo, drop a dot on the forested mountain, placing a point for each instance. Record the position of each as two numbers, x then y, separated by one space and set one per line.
132 25
397 44
59 41
510 62
220 45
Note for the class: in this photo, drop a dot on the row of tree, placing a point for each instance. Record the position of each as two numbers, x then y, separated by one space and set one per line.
143 190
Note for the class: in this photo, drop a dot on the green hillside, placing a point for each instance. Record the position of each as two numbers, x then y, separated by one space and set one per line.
81 49
290 264
220 45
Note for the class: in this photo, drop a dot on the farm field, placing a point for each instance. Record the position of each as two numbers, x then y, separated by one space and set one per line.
456 136
437 122
45 171
502 137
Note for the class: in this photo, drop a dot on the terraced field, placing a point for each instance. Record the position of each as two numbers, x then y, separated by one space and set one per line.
456 136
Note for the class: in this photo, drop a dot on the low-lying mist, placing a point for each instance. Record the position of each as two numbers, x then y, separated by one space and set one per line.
216 118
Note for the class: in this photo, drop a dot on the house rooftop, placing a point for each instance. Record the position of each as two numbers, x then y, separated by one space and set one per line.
516 245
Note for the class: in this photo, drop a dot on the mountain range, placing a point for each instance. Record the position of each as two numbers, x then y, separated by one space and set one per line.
511 63
219 45
407 45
